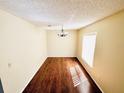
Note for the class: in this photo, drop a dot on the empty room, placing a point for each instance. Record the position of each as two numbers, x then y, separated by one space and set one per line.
61 46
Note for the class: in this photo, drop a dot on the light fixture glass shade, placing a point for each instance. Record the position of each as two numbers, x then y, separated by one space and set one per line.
63 34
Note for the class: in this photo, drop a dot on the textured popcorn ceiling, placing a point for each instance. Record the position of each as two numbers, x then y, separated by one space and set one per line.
73 14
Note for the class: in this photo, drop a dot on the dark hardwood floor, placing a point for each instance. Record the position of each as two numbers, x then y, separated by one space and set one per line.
61 75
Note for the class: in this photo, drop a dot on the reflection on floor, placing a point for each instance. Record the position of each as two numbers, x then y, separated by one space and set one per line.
77 76
61 75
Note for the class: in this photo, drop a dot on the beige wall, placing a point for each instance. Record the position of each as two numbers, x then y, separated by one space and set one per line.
109 54
23 46
61 46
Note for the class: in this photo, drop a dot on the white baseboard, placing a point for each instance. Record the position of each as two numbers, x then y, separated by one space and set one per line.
91 77
33 75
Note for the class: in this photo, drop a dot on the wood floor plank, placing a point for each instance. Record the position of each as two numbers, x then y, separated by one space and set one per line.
62 75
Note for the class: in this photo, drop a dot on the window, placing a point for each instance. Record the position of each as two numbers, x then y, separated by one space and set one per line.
89 41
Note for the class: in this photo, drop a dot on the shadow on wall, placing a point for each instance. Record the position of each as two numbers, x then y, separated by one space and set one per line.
1 88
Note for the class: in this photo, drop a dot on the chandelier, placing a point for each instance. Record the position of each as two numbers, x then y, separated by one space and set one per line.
62 33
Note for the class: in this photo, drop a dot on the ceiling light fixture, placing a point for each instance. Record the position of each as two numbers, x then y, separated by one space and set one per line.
62 33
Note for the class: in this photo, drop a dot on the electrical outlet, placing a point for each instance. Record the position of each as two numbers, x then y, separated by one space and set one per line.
9 65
